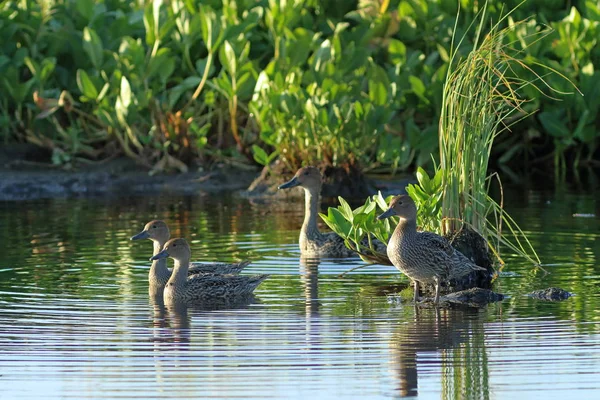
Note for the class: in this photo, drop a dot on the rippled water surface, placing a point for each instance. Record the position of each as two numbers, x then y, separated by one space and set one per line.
76 321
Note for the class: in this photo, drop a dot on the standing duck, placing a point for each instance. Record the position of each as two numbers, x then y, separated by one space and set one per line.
312 241
201 287
424 257
159 274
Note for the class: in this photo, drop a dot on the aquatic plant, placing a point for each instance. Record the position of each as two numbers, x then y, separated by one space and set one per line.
167 83
482 98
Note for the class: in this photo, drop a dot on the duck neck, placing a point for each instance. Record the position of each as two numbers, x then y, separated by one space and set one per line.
311 210
180 273
159 267
405 228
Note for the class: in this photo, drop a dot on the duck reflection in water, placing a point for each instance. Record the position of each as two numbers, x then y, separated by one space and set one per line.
309 272
174 322
444 331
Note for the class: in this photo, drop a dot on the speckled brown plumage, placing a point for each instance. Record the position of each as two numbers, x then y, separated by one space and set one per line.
422 256
201 287
312 242
159 273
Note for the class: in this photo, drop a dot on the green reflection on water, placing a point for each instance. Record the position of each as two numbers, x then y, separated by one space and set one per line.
80 248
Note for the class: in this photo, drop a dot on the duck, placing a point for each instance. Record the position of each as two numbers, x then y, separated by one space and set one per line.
201 287
159 274
424 257
312 241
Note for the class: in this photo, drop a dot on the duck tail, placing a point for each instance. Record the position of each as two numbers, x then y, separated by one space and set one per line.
255 280
241 265
476 267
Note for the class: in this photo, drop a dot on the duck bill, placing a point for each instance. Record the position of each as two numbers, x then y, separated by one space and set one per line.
162 254
390 212
141 235
290 184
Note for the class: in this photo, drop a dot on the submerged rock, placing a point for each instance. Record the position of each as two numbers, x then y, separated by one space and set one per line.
550 294
475 297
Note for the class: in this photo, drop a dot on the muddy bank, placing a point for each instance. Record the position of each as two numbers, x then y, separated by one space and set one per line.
351 185
23 179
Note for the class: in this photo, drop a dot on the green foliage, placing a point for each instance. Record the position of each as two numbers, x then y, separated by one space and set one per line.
427 195
358 227
358 84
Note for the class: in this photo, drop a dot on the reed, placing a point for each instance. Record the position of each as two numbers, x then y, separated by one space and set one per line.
482 98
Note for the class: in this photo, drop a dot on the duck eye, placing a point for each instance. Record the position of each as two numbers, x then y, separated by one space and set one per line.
174 245
305 172
153 226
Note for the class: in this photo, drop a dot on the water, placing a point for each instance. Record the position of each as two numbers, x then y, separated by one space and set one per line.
76 321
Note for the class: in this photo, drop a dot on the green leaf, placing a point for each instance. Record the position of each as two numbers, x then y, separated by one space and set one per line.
418 88
260 156
176 91
553 125
210 28
85 8
340 225
380 200
424 180
378 84
86 86
345 209
162 64
397 52
125 94
150 25
92 45
228 58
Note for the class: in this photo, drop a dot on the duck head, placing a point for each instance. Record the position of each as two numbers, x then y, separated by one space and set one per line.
177 249
156 230
402 206
307 177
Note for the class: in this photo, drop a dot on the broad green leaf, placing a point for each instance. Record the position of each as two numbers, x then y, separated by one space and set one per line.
418 88
86 86
260 156
378 85
343 226
92 45
85 8
125 94
228 58
553 124
397 52
162 64
188 84
380 200
424 180
345 209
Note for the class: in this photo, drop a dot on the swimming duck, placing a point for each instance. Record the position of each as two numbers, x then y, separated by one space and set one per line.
159 274
424 257
312 241
201 287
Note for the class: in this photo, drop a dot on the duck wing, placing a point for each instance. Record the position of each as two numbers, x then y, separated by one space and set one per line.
206 286
436 242
217 268
331 244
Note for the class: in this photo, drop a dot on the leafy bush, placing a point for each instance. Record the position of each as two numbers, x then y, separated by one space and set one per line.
309 80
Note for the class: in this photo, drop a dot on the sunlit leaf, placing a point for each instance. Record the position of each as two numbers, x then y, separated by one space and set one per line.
85 85
92 45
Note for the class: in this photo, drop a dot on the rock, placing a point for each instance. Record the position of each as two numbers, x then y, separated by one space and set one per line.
550 294
475 297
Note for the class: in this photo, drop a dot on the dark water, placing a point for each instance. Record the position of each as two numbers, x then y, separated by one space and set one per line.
76 321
